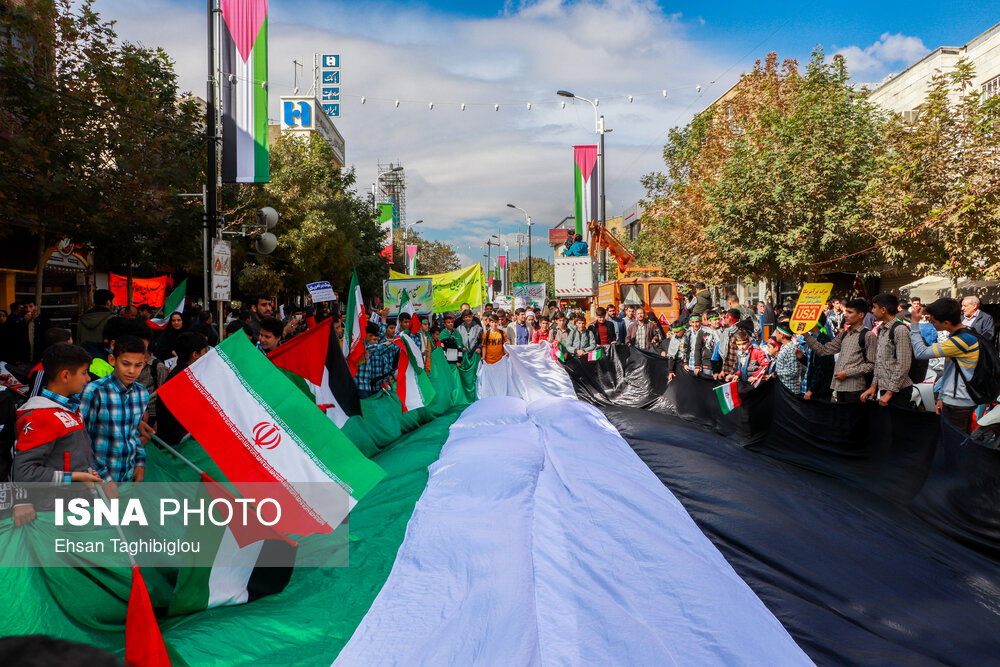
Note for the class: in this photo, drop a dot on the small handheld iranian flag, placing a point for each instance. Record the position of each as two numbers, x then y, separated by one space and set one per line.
595 355
354 328
173 304
561 352
729 397
413 386
258 427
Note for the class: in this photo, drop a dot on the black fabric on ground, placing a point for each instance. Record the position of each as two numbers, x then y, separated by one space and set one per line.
855 577
623 375
886 450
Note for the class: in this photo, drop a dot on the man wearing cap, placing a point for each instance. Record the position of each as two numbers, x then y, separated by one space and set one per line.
856 346
675 348
378 362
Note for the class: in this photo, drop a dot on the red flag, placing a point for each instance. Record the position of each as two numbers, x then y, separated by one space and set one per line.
143 642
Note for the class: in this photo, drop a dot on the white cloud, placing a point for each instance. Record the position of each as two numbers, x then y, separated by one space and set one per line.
462 168
888 53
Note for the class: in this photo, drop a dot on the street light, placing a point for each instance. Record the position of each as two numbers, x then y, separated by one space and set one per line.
599 127
527 219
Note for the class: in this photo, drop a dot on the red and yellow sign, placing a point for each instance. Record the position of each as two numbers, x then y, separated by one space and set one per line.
809 306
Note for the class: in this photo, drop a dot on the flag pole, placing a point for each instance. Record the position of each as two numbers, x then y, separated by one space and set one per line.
176 453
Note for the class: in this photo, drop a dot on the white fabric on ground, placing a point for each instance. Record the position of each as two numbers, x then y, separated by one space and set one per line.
527 371
542 539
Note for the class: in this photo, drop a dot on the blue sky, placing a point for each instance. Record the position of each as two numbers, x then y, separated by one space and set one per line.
463 167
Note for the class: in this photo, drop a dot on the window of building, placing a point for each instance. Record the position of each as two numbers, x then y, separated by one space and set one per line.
991 87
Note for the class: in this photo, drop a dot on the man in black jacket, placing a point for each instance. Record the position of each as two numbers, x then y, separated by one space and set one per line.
602 328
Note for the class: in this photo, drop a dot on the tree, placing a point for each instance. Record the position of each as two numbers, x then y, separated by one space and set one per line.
95 142
432 256
542 271
768 180
325 229
940 170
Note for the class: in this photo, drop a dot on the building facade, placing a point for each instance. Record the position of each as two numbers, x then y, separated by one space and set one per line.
303 115
904 93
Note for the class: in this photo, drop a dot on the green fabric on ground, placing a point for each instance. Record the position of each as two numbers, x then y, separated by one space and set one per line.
307 624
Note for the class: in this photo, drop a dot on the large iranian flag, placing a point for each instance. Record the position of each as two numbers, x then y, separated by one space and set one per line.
243 48
258 427
585 185
354 328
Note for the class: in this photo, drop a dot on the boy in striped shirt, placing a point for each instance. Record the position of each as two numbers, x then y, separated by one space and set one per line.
961 353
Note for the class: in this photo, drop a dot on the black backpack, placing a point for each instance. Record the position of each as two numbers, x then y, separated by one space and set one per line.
918 367
984 385
863 344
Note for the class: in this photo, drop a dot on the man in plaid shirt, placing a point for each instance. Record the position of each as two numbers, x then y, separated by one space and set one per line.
112 410
379 362
893 356
856 360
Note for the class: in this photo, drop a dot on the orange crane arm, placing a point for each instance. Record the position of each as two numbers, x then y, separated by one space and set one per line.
601 238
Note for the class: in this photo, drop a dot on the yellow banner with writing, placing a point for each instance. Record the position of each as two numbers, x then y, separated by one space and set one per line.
454 288
809 306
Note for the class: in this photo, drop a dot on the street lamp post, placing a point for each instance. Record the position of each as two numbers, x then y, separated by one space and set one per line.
599 126
527 219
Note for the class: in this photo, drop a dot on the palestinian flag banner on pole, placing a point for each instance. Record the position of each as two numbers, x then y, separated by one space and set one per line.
248 561
315 363
257 427
729 397
354 328
411 260
413 386
585 186
243 51
173 304
406 308
386 222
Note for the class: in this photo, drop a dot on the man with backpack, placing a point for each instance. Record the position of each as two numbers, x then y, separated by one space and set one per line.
893 356
971 368
855 350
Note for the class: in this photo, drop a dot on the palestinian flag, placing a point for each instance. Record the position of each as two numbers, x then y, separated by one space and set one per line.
413 386
247 561
595 355
585 186
354 329
385 222
411 260
243 50
729 397
257 427
144 645
406 308
173 304
315 363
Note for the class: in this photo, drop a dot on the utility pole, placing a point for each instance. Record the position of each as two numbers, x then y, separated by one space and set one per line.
211 191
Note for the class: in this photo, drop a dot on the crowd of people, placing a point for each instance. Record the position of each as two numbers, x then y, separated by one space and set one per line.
91 401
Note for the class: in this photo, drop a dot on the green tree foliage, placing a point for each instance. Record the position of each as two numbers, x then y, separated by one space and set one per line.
432 256
325 229
940 167
769 179
94 141
542 271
